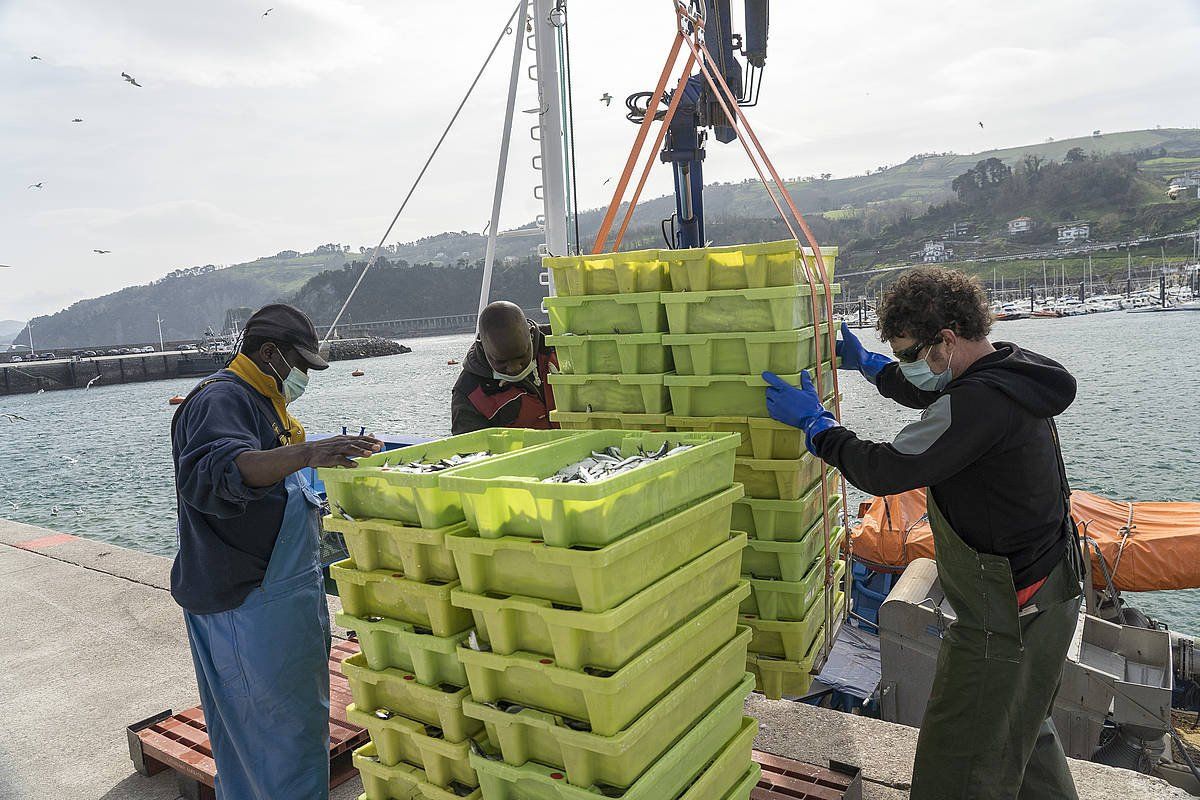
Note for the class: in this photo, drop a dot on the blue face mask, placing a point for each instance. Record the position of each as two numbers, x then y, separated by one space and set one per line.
921 376
293 385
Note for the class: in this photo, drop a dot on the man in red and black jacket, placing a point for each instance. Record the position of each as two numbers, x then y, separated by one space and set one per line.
503 382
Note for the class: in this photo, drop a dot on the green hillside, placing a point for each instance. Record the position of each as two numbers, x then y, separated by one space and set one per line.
877 219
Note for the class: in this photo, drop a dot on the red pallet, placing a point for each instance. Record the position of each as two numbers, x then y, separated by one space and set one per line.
179 742
786 779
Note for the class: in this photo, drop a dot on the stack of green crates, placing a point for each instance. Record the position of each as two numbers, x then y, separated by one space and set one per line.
608 323
408 683
607 659
734 313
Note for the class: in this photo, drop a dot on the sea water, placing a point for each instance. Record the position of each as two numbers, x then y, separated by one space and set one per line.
97 463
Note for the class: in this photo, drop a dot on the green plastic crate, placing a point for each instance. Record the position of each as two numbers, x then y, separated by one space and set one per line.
383 593
744 788
789 601
610 639
402 781
593 580
781 352
605 702
743 266
389 643
618 761
777 678
621 394
779 479
789 640
400 692
505 496
729 395
420 553
629 354
787 520
789 561
710 741
369 491
728 771
400 739
762 437
779 308
608 273
602 421
613 313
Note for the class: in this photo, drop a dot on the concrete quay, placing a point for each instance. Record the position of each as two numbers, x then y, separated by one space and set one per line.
93 642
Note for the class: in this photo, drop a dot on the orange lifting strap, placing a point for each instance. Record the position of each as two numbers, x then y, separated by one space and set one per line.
689 30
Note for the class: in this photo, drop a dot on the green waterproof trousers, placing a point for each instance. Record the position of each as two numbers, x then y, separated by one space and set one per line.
987 732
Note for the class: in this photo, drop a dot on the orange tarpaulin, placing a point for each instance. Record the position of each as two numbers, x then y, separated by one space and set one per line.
1161 550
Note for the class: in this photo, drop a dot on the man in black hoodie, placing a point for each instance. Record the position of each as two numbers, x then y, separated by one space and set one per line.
987 449
503 382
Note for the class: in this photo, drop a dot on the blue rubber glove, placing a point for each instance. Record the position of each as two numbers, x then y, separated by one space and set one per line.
800 408
855 356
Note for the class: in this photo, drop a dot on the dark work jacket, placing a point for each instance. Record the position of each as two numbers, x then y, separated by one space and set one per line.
227 529
480 401
985 449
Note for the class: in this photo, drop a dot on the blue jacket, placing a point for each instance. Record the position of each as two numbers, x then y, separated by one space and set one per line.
227 529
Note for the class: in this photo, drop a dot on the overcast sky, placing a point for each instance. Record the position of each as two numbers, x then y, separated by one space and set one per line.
253 134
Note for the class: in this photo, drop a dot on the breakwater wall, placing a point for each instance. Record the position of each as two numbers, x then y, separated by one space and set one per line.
30 377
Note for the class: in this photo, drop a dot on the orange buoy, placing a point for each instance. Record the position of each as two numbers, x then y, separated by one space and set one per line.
176 400
358 373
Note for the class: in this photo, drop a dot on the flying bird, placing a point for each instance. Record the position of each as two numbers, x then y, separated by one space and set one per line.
606 98
129 79
77 119
981 124
102 252
13 417
268 11
35 58
37 185
5 266
606 182
89 383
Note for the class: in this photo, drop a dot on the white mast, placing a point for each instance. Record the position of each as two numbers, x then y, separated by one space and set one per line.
548 16
160 339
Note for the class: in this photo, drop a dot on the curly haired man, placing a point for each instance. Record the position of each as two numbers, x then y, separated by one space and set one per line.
987 450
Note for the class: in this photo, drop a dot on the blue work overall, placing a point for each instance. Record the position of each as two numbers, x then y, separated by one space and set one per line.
263 671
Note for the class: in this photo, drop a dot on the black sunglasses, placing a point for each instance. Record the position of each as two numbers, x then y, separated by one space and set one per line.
909 354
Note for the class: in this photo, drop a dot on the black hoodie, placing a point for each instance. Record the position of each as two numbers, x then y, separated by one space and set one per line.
984 447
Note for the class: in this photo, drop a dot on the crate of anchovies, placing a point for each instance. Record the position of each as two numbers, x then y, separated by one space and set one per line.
593 488
402 484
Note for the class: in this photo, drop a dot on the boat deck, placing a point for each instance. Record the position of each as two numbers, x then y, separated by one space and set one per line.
93 642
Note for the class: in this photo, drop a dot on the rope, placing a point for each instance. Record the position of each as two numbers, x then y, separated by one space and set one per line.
504 31
1126 531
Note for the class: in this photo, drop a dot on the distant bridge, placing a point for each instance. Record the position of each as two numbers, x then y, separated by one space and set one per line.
416 326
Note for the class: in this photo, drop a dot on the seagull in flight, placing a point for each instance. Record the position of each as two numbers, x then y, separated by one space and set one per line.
102 252
130 79
606 98
268 11
89 383
14 417
981 124
35 58
37 185
77 119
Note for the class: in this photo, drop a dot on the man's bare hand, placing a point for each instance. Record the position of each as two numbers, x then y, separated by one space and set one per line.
339 451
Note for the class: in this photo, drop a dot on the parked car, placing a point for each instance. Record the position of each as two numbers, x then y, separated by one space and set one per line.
47 357
148 349
114 352
186 348
16 359
89 354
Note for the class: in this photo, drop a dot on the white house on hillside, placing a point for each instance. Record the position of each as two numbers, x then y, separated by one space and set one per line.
1020 225
1074 232
935 252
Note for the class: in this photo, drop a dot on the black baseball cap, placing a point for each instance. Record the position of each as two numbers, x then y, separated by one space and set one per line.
288 324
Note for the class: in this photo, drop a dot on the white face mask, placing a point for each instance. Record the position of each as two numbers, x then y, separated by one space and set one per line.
293 385
522 375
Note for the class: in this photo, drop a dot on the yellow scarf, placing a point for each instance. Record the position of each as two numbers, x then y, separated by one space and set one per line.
264 384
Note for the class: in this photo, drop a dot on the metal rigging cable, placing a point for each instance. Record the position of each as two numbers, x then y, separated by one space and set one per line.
504 31
562 4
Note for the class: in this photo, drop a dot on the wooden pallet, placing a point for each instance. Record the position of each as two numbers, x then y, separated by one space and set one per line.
179 742
786 779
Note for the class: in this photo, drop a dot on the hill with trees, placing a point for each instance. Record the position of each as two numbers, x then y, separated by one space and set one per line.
1115 181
